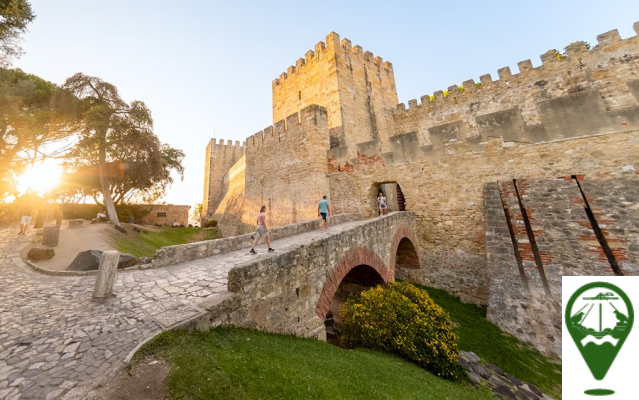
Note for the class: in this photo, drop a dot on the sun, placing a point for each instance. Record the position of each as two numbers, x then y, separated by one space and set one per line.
42 177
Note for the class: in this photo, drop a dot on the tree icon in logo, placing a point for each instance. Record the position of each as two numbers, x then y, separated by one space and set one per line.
599 317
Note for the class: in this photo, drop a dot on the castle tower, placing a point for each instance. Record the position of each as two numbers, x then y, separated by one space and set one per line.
357 89
219 158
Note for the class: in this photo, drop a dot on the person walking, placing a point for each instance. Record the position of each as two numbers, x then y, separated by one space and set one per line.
27 206
381 203
24 222
323 210
261 231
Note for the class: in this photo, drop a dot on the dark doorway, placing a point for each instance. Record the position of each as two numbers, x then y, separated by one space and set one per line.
401 202
359 279
406 255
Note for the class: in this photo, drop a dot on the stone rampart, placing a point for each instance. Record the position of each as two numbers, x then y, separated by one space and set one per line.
171 255
538 231
228 213
220 156
577 115
286 168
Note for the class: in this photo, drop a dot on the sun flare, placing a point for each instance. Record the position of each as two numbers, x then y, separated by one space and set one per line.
40 178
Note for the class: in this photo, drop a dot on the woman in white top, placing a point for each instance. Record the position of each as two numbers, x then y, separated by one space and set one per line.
381 203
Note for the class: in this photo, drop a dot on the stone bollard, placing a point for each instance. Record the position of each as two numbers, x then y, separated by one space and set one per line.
105 279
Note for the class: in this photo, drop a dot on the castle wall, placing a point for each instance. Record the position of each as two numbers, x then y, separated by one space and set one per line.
356 88
228 213
312 80
367 93
219 158
562 240
286 168
574 116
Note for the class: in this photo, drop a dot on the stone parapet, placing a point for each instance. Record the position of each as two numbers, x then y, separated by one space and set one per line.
171 255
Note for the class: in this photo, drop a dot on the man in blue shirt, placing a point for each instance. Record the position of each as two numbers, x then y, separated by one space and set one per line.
323 209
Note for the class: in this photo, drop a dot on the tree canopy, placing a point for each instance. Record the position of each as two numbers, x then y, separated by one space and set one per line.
116 138
138 170
33 113
15 15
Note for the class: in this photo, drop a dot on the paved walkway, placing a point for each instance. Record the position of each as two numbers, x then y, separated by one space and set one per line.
55 343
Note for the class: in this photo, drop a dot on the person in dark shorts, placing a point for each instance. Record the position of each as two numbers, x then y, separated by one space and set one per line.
323 210
261 231
382 204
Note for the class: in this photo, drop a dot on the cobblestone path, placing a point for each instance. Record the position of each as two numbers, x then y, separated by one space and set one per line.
56 343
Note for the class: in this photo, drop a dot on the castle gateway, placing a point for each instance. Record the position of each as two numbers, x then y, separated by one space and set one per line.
515 182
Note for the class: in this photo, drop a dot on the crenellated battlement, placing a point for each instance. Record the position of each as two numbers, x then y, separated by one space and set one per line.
299 122
220 142
328 48
578 56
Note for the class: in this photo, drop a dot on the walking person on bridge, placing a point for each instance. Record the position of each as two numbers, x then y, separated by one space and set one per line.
261 231
324 210
382 204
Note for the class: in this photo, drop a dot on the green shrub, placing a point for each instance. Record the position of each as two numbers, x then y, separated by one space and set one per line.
210 224
403 319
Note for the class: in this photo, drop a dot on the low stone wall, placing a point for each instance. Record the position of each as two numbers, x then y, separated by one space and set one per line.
171 255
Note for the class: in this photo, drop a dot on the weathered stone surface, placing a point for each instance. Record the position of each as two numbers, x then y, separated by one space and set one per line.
470 356
86 261
474 378
170 255
144 260
480 370
105 279
503 386
40 253
513 380
535 390
494 369
126 260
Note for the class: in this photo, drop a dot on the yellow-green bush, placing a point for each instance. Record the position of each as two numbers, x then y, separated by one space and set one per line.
210 224
403 319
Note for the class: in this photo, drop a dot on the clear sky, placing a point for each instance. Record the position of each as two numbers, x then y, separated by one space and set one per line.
208 65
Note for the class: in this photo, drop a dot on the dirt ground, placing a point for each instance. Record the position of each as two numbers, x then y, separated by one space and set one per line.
75 240
147 381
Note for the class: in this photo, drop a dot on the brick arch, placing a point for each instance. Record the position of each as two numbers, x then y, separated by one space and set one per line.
353 258
402 232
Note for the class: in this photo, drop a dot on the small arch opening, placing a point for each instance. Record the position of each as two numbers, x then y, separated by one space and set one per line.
406 257
358 279
392 191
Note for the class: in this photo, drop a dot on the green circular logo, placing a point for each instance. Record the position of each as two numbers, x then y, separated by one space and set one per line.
599 317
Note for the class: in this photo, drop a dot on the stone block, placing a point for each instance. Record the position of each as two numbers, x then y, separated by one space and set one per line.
40 253
105 278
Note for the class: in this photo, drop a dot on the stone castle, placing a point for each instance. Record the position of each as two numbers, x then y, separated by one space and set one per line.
515 182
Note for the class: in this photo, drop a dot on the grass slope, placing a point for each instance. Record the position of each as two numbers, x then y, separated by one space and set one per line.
490 343
232 363
145 244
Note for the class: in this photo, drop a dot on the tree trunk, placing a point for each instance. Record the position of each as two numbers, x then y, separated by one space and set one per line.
106 193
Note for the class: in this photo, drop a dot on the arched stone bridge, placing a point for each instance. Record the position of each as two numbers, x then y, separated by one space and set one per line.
56 343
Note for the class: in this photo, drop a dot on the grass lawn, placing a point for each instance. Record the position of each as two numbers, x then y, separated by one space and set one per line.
145 244
490 343
232 363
